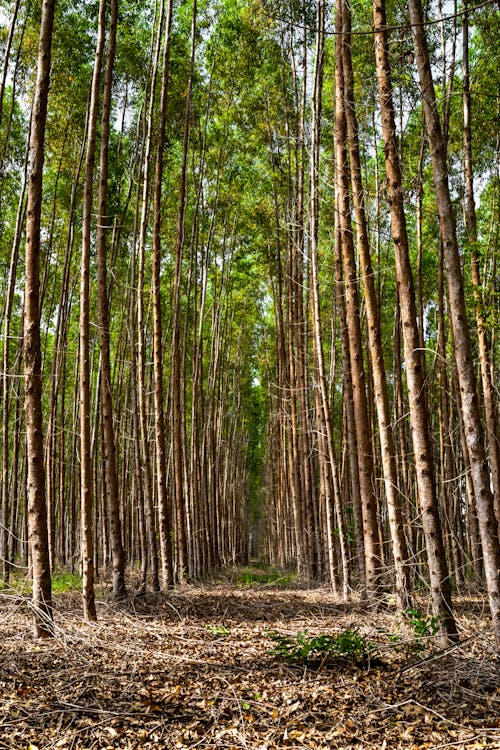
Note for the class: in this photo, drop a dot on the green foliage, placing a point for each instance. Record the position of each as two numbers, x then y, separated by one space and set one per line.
18 582
424 629
65 581
349 645
251 577
422 626
219 630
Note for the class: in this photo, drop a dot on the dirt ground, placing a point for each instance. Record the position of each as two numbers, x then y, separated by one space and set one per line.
192 669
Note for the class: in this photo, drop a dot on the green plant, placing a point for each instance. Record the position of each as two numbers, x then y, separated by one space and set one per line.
349 645
423 626
64 581
219 630
250 577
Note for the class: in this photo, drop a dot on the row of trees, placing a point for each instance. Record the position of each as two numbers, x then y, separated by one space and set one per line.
260 300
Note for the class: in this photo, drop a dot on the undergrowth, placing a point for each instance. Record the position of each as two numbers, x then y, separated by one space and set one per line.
310 650
248 577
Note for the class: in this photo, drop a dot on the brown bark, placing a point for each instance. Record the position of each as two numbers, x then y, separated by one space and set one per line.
460 330
108 432
419 416
37 507
352 301
160 443
178 372
145 468
326 454
381 395
86 499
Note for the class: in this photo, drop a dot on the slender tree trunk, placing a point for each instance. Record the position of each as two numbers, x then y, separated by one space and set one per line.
178 433
326 454
108 432
160 443
452 527
419 416
37 506
381 395
458 316
482 327
145 468
86 499
362 425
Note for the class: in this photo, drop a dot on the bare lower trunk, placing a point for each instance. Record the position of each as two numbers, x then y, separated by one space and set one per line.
160 443
381 395
419 416
108 432
458 316
37 506
356 348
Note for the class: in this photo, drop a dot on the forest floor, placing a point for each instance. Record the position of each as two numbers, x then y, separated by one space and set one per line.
193 669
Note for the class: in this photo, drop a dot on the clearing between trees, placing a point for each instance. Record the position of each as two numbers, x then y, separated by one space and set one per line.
193 669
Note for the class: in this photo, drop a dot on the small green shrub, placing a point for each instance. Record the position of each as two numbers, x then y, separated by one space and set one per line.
349 645
64 581
422 626
219 630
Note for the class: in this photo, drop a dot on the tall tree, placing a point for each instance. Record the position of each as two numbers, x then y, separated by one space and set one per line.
374 332
37 506
178 432
86 499
327 458
458 316
352 300
108 436
165 523
415 375
145 463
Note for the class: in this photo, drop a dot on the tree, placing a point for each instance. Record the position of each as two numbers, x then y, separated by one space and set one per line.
419 416
362 424
327 458
458 315
160 445
381 394
37 506
84 326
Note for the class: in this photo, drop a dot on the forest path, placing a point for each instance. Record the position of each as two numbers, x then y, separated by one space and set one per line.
192 669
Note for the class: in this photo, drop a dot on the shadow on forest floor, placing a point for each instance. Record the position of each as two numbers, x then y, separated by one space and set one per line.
192 669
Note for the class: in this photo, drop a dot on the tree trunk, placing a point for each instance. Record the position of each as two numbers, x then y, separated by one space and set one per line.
362 424
37 506
458 316
481 324
160 444
381 395
86 499
108 432
145 467
326 455
419 416
178 372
